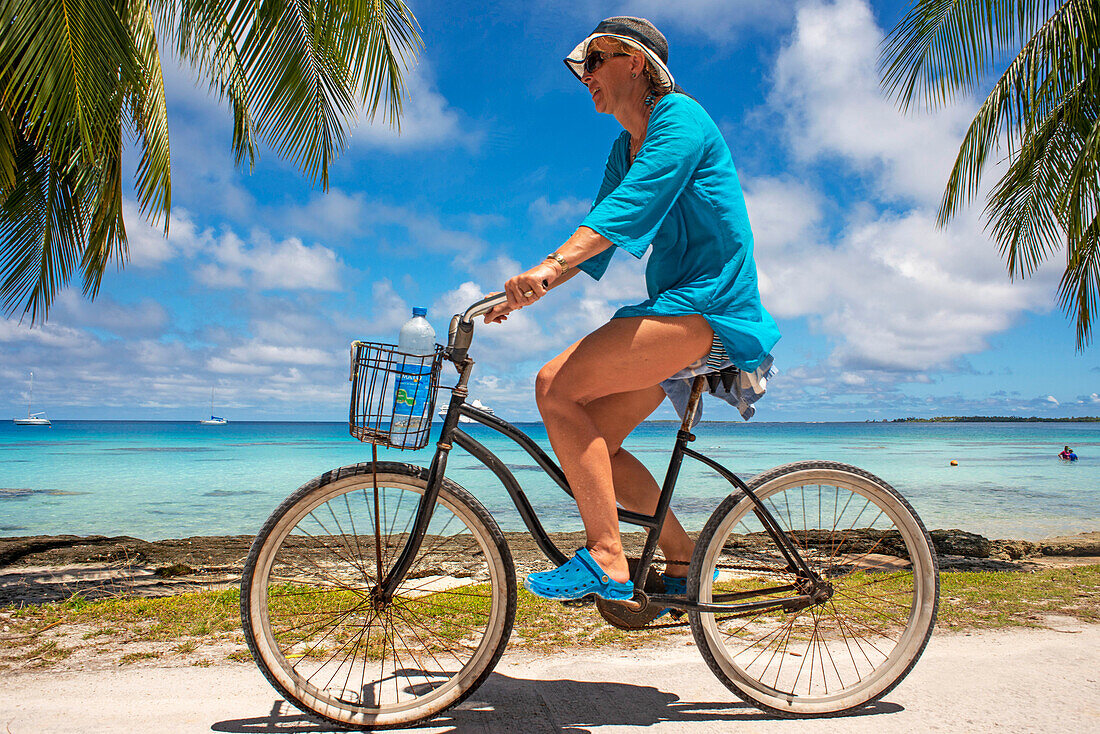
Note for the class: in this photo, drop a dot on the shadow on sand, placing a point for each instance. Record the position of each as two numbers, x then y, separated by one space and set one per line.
506 704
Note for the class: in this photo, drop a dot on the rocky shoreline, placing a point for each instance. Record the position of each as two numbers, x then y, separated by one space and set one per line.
45 568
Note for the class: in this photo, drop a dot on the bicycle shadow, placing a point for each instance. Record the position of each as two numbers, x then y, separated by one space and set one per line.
505 704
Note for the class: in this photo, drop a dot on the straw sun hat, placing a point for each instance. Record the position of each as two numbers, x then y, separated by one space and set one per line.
638 33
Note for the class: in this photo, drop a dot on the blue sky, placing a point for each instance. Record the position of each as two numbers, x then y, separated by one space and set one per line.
264 279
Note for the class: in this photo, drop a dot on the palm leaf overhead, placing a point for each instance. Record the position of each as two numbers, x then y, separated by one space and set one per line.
81 79
1043 108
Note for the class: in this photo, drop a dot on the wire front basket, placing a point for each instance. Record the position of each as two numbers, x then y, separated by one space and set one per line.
392 395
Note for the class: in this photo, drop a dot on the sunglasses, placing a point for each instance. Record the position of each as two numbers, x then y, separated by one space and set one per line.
595 59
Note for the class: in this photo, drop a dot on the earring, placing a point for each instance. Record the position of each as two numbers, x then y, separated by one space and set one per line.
633 76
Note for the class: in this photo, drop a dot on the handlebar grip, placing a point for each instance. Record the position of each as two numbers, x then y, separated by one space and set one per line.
461 332
485 305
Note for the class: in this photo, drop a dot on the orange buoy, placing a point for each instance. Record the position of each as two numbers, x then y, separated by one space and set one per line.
954 463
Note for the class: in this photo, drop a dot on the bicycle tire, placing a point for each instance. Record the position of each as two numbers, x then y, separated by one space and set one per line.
307 587
885 577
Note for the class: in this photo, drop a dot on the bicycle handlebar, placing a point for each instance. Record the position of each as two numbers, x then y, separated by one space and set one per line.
461 332
484 306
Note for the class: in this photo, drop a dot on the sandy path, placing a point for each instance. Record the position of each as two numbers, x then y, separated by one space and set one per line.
1014 681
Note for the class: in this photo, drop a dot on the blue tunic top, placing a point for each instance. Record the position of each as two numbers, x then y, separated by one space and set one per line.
682 197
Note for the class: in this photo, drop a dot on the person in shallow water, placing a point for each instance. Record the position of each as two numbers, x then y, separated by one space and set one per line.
669 185
1067 454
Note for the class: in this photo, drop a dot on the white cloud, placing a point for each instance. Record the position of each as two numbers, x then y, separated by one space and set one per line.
388 310
148 247
224 366
827 88
784 214
427 119
568 209
50 335
146 316
1053 400
891 289
257 352
266 264
292 265
337 213
899 294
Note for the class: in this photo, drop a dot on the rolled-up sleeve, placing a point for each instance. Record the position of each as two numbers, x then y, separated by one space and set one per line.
630 214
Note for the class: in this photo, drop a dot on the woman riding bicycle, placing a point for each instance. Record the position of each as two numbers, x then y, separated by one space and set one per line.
669 185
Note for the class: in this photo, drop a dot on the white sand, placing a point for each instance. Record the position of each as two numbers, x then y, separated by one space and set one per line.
1007 681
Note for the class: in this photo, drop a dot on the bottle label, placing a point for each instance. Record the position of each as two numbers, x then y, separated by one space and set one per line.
410 395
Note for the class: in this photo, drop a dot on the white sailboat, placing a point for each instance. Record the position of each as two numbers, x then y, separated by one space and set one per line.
32 419
213 420
463 419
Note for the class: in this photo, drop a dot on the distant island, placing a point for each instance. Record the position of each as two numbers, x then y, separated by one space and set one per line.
992 419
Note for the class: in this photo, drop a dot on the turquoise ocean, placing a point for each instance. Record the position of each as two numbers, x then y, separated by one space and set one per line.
156 480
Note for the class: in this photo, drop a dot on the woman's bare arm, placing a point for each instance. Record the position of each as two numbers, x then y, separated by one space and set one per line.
528 287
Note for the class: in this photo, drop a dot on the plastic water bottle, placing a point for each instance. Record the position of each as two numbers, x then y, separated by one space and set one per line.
410 400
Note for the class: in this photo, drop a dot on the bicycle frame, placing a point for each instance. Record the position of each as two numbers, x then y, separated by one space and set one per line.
809 590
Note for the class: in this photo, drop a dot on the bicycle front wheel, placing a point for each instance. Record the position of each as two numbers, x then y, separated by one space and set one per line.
325 640
861 537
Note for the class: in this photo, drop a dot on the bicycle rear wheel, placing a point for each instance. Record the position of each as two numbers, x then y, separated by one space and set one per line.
323 640
858 534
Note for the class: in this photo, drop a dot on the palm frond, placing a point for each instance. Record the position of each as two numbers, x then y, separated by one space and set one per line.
62 63
1081 202
1080 283
943 48
42 225
101 188
7 152
205 34
1029 89
377 60
293 69
301 96
1024 208
148 114
1044 107
73 72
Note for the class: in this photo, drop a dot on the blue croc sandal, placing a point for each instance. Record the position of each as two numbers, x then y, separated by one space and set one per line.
676 586
576 579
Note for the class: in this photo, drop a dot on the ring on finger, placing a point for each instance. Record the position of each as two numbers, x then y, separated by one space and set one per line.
528 294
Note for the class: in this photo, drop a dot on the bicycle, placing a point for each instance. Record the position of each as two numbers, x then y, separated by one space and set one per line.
379 594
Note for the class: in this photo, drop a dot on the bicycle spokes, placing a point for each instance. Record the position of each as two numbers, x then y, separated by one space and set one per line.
869 592
339 636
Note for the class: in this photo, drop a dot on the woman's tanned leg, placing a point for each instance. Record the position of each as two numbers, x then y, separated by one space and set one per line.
616 416
623 356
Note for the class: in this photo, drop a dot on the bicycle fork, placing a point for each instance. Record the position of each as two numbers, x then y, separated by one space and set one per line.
387 585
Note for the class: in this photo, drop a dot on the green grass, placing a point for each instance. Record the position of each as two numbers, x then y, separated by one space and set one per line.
978 600
47 634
